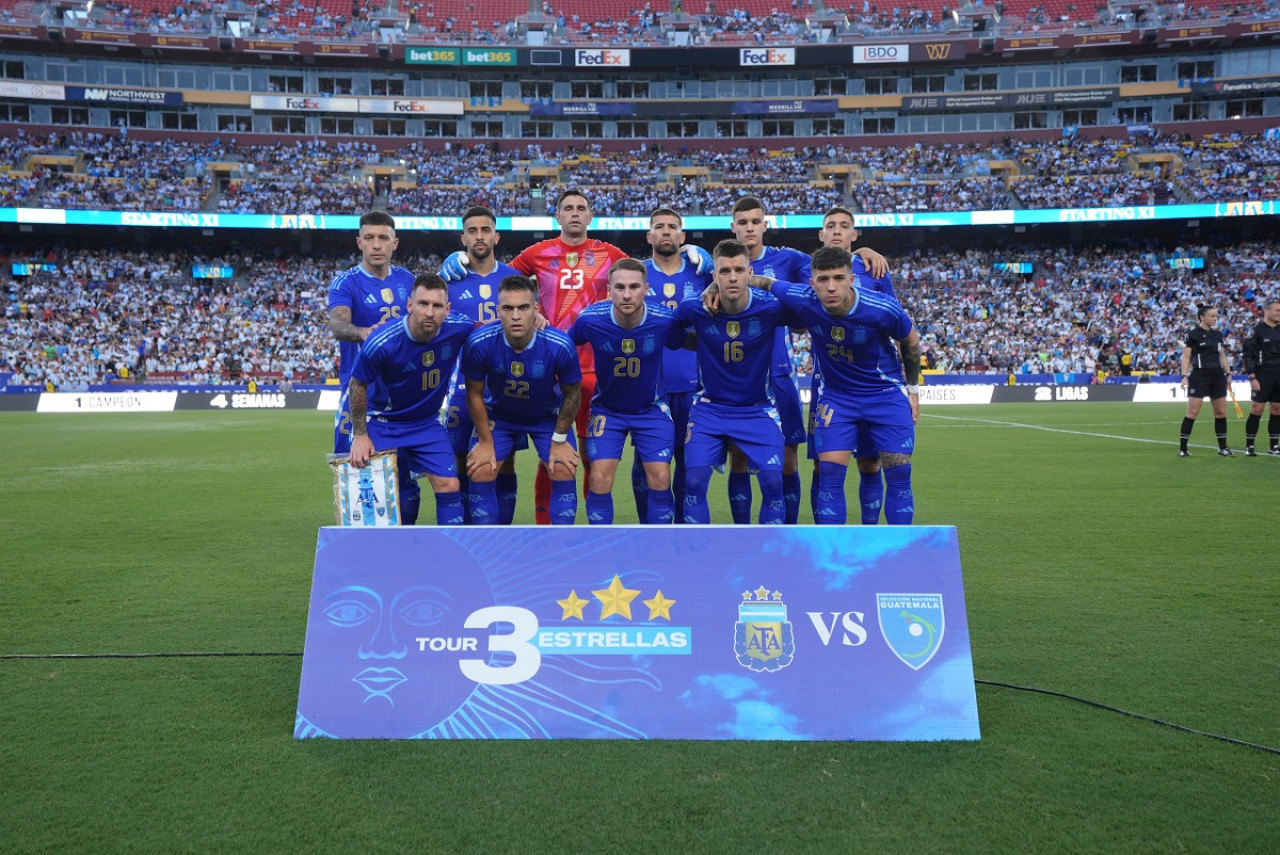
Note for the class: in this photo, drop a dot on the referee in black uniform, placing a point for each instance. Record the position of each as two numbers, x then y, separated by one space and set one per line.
1262 363
1205 374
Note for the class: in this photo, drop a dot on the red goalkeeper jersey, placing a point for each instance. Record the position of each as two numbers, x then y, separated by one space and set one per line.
570 278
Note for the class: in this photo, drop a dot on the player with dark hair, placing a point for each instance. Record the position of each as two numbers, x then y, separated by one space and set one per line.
865 395
840 230
1262 364
628 336
521 381
673 277
1205 374
360 300
475 295
399 380
735 352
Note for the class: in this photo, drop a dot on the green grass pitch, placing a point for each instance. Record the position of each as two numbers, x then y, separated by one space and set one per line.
1097 563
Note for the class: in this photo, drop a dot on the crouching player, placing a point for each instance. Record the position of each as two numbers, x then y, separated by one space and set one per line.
862 384
521 381
399 380
627 337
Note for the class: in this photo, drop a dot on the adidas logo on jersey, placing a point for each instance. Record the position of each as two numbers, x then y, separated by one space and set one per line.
466 295
371 298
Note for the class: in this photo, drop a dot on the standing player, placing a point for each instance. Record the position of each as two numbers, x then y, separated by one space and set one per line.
673 278
864 393
628 337
735 351
360 299
1205 374
475 295
1262 364
839 230
521 381
398 382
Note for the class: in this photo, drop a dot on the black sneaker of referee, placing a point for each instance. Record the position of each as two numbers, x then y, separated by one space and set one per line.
1226 452
1182 452
1249 452
1274 451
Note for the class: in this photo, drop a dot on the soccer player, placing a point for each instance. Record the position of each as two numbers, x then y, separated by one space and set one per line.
864 391
1205 374
572 272
1262 364
475 295
673 277
839 229
628 337
360 300
398 382
735 352
521 381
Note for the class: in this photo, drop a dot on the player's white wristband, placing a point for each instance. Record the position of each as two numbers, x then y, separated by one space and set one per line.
913 390
559 437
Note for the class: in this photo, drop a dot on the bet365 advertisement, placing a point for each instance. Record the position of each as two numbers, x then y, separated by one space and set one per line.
637 632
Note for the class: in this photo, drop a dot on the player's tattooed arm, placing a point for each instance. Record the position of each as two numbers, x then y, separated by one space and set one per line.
909 348
571 399
342 328
361 444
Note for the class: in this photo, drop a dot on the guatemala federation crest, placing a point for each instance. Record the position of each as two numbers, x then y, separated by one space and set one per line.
763 639
912 626
732 329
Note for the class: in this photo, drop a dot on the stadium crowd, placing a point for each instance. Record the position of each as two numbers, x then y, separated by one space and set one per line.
112 171
105 314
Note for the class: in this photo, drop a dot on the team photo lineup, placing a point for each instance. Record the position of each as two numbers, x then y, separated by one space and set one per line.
575 346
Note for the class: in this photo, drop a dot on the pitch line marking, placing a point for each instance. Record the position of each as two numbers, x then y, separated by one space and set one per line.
1065 430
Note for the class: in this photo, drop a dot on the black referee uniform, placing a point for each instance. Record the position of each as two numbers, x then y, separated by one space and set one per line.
1206 379
1262 363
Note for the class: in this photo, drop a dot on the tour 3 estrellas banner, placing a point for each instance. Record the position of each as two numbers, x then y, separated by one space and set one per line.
638 632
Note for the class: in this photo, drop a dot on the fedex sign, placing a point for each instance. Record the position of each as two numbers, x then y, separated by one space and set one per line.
607 56
766 56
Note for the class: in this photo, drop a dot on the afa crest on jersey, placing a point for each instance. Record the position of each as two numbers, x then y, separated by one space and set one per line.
763 638
753 329
538 370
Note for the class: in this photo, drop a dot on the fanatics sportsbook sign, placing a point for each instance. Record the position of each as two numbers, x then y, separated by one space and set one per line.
638 632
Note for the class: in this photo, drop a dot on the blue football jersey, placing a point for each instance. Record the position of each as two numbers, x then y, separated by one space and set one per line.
408 379
854 352
679 367
476 296
372 301
735 351
628 361
791 265
524 387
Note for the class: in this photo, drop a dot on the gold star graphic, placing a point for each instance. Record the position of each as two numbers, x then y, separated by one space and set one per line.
572 606
762 593
777 595
615 599
659 606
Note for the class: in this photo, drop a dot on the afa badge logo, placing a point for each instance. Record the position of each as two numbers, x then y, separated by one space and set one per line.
763 639
912 626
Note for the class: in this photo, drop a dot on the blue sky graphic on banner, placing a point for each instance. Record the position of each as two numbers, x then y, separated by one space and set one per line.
711 632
